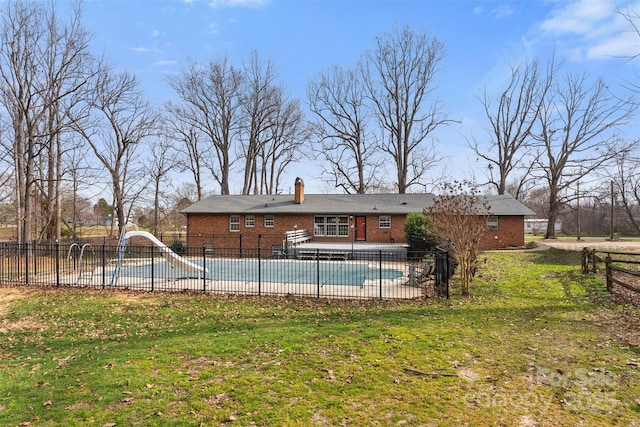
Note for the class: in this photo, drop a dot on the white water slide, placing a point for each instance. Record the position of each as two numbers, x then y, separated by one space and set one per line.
171 257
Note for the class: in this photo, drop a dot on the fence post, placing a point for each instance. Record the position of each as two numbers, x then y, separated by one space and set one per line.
259 265
35 258
380 270
259 271
448 276
318 271
26 263
104 263
585 260
204 268
607 261
152 268
57 263
2 254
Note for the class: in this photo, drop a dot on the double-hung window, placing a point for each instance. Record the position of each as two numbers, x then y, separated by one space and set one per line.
384 221
234 223
250 221
269 221
492 222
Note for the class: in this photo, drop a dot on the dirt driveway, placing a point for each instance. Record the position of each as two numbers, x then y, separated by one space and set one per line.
593 243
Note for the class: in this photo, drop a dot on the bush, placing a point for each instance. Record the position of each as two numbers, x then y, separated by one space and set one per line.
419 234
177 247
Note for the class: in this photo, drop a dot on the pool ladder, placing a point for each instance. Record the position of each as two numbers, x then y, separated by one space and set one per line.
84 267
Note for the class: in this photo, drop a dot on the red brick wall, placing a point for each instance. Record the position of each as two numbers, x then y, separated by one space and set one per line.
203 228
214 229
510 232
385 235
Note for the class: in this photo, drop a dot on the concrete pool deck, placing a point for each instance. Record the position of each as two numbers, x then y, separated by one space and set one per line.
371 287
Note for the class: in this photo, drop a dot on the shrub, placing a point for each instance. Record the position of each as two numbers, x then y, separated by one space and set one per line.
419 233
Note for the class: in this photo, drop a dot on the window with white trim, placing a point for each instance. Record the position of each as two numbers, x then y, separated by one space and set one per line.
384 221
269 221
343 226
319 226
249 221
492 222
331 226
234 223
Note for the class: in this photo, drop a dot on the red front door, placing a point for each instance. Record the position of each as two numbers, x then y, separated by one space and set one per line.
361 228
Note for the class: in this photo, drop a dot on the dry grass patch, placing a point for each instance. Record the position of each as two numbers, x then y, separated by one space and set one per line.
8 296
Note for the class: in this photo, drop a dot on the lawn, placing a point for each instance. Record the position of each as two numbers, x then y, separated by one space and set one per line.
537 343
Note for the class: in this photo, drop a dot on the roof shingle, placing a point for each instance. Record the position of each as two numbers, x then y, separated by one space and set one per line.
336 204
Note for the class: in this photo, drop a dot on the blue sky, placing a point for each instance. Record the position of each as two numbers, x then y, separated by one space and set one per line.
154 38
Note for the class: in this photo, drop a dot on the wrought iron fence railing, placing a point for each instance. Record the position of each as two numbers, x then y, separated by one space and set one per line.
367 274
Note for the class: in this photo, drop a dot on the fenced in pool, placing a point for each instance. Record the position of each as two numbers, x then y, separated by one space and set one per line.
369 275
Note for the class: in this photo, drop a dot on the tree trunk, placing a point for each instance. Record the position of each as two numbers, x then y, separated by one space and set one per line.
553 215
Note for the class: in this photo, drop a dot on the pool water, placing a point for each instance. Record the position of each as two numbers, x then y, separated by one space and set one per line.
270 271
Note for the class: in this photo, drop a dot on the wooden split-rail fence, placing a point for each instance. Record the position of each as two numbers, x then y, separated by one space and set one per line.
621 270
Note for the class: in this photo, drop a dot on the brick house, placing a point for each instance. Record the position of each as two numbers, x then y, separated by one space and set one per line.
241 221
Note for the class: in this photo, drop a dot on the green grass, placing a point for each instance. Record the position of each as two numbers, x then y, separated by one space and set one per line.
537 343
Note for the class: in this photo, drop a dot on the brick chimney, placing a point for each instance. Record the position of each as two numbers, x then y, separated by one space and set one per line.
299 193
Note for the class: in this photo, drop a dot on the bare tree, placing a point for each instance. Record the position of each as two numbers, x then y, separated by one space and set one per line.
627 173
21 86
161 162
67 72
7 175
512 120
288 133
116 121
191 150
80 174
337 98
210 102
400 79
627 181
259 106
578 134
459 218
42 65
78 209
632 16
182 197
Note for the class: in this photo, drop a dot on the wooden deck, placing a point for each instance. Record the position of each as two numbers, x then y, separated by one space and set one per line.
348 250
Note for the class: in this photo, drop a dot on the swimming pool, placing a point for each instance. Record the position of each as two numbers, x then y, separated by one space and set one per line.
284 271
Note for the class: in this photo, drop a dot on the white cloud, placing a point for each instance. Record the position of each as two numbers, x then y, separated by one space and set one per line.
578 17
156 33
478 10
153 51
237 3
591 29
502 11
623 45
165 62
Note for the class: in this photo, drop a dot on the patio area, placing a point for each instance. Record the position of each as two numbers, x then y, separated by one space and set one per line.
348 250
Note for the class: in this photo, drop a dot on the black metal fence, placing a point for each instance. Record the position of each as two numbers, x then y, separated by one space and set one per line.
373 274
